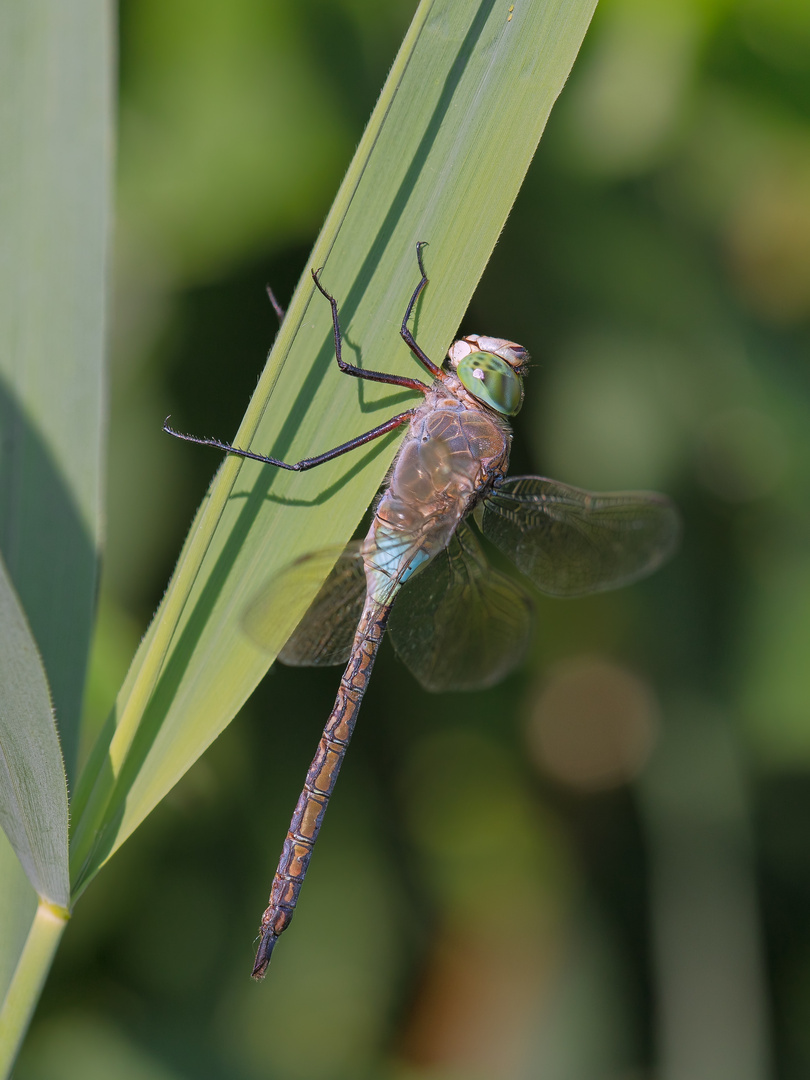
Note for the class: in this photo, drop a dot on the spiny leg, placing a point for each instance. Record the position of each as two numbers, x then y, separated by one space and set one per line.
350 369
347 368
279 310
305 463
405 332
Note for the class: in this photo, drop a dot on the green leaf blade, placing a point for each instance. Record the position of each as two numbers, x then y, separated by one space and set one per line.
19 904
55 169
33 791
56 65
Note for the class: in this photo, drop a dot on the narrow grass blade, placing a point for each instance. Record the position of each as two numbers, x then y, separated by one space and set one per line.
442 160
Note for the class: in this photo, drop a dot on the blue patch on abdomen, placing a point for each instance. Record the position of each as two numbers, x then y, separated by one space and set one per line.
385 564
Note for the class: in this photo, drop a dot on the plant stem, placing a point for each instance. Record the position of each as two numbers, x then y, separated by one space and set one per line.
29 976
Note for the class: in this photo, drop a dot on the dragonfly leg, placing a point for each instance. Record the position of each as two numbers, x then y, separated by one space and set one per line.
351 369
305 463
405 332
279 310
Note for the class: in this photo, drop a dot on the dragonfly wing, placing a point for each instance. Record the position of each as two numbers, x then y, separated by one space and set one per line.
570 542
325 633
459 624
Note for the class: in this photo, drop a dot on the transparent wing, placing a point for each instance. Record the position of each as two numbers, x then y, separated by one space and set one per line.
325 634
459 624
570 542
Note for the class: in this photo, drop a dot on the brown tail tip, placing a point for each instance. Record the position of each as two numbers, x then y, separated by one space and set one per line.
263 956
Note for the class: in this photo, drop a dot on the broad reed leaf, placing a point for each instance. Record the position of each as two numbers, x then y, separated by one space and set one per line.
56 76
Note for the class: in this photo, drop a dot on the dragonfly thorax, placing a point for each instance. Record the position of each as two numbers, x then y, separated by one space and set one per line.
490 369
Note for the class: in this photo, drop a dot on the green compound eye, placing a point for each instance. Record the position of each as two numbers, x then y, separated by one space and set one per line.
492 381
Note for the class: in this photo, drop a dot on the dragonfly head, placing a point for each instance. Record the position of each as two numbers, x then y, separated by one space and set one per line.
491 369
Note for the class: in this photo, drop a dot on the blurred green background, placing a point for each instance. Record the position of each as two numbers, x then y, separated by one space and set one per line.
599 870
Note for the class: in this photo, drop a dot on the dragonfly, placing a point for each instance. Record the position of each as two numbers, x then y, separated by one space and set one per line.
422 573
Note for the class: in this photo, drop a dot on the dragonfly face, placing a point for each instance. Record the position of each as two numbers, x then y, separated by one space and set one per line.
491 370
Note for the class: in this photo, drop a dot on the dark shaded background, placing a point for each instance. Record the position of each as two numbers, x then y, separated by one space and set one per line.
599 870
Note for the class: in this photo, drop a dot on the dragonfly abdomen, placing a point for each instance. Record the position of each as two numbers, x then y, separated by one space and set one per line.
320 782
